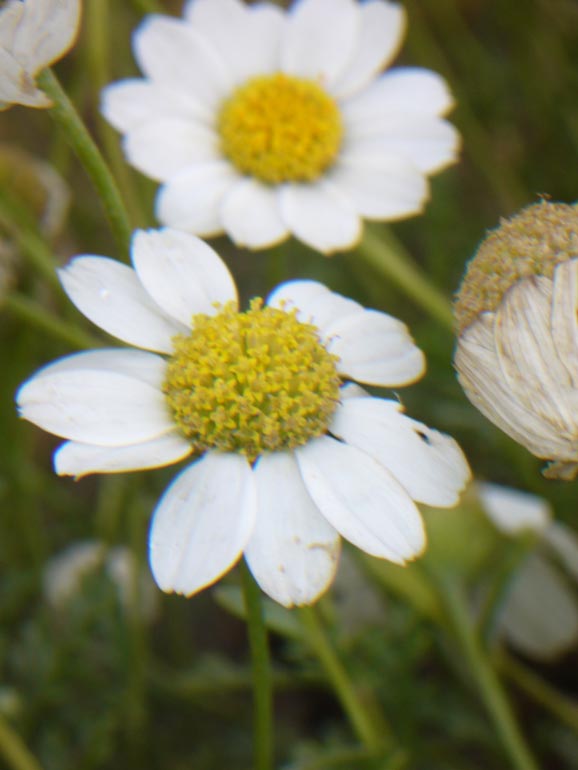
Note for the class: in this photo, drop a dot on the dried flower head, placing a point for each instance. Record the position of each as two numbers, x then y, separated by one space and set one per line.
517 351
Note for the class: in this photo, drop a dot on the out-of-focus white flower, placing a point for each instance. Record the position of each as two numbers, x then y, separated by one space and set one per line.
517 351
539 616
261 123
33 35
287 456
65 572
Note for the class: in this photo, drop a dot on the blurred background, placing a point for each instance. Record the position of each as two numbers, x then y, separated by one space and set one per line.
98 670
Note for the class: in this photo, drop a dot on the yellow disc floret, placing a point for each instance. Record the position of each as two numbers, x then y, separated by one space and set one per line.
251 382
279 128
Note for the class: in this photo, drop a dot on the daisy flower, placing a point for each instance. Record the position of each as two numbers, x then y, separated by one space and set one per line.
262 123
539 615
287 456
33 35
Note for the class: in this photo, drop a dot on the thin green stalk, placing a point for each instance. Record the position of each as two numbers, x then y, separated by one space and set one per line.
558 704
261 664
489 686
66 116
13 749
371 728
34 314
388 256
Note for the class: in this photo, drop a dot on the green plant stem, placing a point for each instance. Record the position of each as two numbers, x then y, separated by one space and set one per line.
487 681
387 255
363 722
34 314
562 707
66 116
13 749
261 667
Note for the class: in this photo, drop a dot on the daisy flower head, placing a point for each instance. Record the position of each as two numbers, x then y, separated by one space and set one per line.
288 454
33 35
262 123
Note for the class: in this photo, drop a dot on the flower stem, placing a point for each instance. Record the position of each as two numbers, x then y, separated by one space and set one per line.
261 665
387 255
13 749
66 116
35 315
364 723
489 686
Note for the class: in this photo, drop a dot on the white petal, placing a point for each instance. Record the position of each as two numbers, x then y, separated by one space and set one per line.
247 37
563 542
202 523
251 215
481 377
540 616
95 407
429 465
181 273
380 36
407 91
362 500
381 187
163 146
320 216
429 143
131 103
293 551
138 364
192 200
16 86
375 348
320 38
302 295
171 52
513 511
111 296
46 32
10 19
565 316
74 459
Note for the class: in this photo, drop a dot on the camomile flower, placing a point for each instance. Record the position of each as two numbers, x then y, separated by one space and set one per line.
539 615
262 123
287 456
33 35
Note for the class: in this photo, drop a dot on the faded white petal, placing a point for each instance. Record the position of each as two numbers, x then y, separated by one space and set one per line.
192 200
46 31
320 216
76 459
95 407
251 215
320 39
182 274
513 511
429 465
361 499
565 316
563 543
293 551
111 296
202 523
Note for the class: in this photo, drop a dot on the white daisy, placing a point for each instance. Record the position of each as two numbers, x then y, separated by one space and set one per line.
262 123
33 35
287 457
539 615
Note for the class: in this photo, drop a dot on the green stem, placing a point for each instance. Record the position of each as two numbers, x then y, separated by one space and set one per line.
66 116
29 311
13 749
261 664
387 255
489 686
565 709
364 723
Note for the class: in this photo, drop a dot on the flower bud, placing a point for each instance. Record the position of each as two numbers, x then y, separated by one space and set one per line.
517 317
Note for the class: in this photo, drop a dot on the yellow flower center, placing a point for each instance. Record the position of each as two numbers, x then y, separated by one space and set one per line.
251 382
279 128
